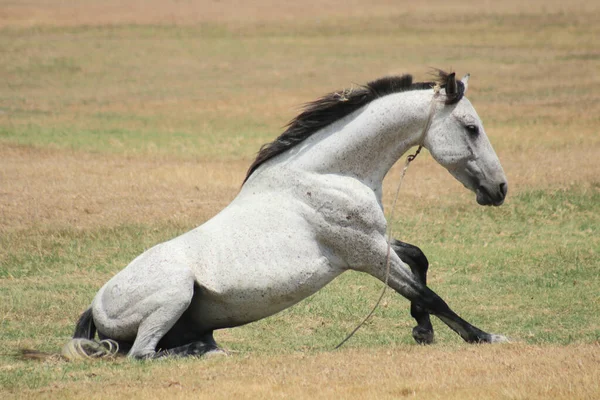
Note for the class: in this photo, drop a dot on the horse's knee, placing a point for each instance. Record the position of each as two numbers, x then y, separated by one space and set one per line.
413 256
431 303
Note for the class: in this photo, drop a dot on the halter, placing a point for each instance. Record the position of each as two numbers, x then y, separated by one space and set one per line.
409 159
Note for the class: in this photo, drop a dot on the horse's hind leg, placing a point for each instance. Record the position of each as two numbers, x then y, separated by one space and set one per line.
418 263
147 302
186 338
204 345
164 308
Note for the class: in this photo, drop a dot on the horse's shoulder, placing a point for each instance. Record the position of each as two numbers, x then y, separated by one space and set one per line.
329 199
348 190
342 201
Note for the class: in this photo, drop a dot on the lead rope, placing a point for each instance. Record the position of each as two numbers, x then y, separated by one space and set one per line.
409 159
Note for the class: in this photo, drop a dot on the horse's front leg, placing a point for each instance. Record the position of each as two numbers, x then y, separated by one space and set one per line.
418 263
402 280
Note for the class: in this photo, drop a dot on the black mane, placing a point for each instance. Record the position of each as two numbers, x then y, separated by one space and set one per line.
333 106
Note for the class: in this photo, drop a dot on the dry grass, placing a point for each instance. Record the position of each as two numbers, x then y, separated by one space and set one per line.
50 188
57 189
478 372
48 12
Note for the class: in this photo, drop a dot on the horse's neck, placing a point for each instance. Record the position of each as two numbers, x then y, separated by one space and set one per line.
368 142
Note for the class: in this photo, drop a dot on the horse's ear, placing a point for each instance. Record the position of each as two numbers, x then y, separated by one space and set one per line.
465 81
451 85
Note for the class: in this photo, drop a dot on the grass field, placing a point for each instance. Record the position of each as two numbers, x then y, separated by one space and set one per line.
123 127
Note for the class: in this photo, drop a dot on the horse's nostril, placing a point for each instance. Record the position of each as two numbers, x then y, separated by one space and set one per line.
503 189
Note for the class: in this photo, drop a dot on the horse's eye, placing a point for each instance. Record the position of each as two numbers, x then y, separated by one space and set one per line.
472 129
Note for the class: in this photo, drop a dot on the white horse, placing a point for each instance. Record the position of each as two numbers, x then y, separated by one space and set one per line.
310 208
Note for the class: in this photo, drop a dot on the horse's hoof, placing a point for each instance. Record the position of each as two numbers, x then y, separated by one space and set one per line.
216 353
498 339
422 336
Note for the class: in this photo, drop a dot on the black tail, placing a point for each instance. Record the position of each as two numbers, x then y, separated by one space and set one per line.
85 328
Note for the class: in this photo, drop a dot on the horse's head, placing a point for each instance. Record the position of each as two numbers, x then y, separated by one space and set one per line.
456 139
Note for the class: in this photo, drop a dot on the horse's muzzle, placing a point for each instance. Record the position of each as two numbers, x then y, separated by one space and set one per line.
495 197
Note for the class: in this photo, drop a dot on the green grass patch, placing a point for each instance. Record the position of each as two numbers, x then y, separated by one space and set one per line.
207 139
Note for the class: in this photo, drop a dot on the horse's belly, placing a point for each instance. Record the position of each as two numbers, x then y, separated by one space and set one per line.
254 263
259 293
